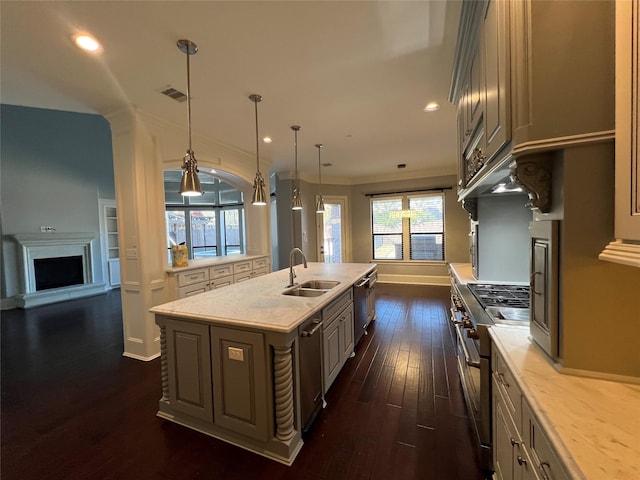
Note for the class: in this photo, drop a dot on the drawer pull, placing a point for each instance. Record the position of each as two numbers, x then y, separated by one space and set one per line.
502 380
514 442
522 461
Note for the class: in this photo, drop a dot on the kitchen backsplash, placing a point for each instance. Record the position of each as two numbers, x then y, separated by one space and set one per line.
503 238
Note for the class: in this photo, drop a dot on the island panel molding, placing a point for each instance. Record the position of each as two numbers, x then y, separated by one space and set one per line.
245 351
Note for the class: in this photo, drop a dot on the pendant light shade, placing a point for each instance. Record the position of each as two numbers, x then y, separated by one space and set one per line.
190 183
259 196
320 200
296 201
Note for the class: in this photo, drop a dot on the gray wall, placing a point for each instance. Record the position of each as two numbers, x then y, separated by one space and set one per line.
503 238
456 225
55 166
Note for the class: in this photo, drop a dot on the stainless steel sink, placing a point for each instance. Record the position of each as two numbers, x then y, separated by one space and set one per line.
319 284
304 292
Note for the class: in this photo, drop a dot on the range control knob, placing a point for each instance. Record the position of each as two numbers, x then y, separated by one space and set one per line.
466 323
472 333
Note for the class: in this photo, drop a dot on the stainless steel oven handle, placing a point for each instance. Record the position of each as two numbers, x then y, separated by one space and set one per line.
467 357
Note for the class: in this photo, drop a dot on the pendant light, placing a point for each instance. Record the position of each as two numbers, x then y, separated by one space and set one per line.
296 201
259 197
190 183
320 201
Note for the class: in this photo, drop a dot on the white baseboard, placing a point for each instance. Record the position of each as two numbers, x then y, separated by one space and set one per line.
54 295
140 357
8 304
414 279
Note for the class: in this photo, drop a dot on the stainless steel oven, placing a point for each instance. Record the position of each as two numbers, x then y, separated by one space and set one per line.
469 325
474 308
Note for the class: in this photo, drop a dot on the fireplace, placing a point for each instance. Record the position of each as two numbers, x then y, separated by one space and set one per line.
58 272
56 267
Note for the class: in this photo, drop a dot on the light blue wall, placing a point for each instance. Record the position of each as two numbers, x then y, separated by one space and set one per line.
503 238
54 167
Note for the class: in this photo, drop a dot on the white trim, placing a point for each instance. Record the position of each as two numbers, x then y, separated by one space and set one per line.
55 295
8 304
140 357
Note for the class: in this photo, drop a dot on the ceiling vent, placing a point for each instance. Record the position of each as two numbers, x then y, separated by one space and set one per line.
177 95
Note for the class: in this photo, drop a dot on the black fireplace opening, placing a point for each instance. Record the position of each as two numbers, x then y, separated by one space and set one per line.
58 272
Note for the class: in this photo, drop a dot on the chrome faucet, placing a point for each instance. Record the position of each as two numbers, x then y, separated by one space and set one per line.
292 273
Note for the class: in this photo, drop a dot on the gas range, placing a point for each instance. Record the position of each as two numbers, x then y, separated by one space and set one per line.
503 302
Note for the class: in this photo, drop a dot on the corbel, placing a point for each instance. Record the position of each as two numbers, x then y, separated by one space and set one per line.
533 174
471 206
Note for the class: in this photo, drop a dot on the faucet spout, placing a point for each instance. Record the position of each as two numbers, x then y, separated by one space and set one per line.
292 273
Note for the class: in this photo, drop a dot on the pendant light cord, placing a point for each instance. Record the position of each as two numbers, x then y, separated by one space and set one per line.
189 97
256 99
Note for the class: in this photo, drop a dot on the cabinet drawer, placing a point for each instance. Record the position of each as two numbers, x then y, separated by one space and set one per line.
545 460
334 308
220 271
192 276
220 282
260 263
242 267
506 384
242 277
260 271
190 290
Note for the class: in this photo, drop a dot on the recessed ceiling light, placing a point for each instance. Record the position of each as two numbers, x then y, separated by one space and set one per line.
267 140
87 43
432 107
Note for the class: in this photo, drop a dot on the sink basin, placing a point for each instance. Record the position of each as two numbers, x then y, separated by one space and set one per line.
319 284
305 292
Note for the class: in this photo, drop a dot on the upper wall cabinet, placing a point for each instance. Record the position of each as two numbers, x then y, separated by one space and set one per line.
546 82
626 249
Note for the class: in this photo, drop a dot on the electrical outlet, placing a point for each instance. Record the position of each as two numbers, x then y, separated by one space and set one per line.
43 228
235 354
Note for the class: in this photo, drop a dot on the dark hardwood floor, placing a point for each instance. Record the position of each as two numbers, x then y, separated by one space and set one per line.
74 408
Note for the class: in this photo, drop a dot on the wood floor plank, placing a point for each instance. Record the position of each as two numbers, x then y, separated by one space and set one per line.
73 407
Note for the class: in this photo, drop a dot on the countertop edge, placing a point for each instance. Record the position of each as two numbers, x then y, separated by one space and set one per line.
558 438
213 261
322 301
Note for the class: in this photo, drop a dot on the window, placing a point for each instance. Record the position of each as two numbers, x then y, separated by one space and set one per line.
408 227
211 224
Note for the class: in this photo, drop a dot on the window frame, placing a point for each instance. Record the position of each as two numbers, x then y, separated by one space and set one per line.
406 227
191 204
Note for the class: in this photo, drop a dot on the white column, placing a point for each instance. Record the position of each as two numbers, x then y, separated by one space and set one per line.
141 228
143 145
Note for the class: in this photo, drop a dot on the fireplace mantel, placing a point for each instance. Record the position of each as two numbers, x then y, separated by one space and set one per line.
35 246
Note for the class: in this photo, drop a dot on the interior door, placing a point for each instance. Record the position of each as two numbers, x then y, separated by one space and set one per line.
332 231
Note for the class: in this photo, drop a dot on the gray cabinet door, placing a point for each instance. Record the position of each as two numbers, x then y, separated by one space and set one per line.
346 333
332 353
189 363
544 291
240 381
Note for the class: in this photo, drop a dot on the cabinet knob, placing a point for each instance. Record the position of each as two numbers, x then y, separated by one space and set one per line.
503 382
522 461
514 442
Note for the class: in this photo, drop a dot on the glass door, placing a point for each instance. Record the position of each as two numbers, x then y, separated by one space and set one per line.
332 231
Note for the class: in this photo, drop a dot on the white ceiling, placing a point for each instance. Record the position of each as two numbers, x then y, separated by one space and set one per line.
355 75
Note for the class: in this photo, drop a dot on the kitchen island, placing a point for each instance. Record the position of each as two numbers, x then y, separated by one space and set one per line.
230 358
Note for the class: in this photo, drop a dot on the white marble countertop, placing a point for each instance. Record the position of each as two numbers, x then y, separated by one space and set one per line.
463 272
259 302
593 424
213 261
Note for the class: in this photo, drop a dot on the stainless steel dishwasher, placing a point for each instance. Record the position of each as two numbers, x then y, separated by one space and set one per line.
310 351
364 300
